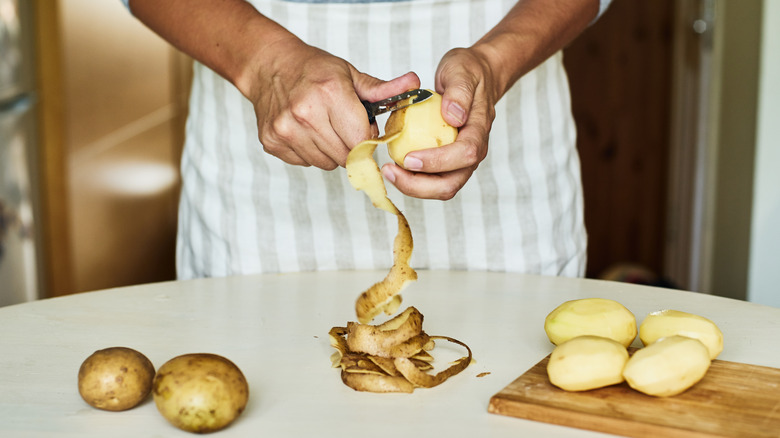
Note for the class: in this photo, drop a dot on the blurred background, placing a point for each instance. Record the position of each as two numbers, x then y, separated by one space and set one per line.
677 104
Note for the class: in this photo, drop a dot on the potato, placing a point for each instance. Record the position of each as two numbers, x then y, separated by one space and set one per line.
668 366
200 392
666 323
422 127
115 379
591 316
587 362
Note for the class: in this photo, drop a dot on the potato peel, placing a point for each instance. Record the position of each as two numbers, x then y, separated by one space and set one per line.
417 377
364 174
380 358
393 356
375 339
373 383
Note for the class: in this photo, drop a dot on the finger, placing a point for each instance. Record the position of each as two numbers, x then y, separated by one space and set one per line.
308 154
348 126
332 147
373 89
324 156
312 130
456 101
299 143
287 155
457 87
322 149
467 151
441 186
275 142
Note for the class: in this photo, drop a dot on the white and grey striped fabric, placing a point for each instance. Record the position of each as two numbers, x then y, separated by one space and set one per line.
243 211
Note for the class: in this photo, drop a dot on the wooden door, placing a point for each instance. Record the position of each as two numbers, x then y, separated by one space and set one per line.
620 71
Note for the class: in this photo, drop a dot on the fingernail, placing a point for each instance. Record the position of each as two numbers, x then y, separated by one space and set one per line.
457 112
411 163
389 175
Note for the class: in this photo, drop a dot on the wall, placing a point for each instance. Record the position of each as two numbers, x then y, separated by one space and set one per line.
738 42
113 104
124 145
764 273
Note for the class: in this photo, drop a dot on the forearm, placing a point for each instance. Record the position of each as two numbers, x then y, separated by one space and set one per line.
531 32
228 36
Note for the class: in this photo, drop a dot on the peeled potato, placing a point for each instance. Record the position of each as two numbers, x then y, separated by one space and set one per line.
665 323
421 126
591 316
587 362
668 366
200 392
115 379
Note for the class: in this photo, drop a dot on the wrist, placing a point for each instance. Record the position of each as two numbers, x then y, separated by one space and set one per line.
265 45
532 31
504 65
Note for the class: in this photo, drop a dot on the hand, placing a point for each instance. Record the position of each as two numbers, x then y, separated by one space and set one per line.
466 83
308 108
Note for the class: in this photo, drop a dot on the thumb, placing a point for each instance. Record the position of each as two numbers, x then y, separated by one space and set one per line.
372 89
457 89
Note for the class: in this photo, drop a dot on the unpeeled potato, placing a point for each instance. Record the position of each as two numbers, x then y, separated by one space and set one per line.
115 378
666 323
591 316
200 392
668 366
421 126
587 362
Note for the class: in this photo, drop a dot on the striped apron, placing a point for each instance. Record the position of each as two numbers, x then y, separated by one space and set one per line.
243 211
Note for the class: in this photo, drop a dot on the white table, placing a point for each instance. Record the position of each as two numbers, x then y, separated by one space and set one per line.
275 327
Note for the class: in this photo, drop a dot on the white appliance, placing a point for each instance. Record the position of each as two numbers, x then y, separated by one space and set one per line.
19 267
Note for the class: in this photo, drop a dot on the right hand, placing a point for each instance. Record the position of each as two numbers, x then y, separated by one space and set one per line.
467 84
307 104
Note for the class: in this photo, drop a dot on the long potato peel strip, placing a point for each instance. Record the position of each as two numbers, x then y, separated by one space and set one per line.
394 356
364 174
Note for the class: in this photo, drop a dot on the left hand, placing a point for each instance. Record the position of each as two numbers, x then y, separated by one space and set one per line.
465 80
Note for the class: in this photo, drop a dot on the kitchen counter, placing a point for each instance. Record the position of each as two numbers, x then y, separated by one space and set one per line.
275 328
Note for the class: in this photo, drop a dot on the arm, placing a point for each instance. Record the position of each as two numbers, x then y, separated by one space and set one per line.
307 101
473 79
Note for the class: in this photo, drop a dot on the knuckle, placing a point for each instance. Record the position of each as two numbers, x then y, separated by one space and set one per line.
491 113
276 150
466 87
301 110
281 130
285 155
331 87
472 154
448 193
269 141
328 165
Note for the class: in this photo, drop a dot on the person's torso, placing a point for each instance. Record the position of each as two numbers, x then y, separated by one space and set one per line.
245 211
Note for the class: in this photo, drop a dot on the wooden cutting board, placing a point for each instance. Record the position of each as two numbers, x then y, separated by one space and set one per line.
732 400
